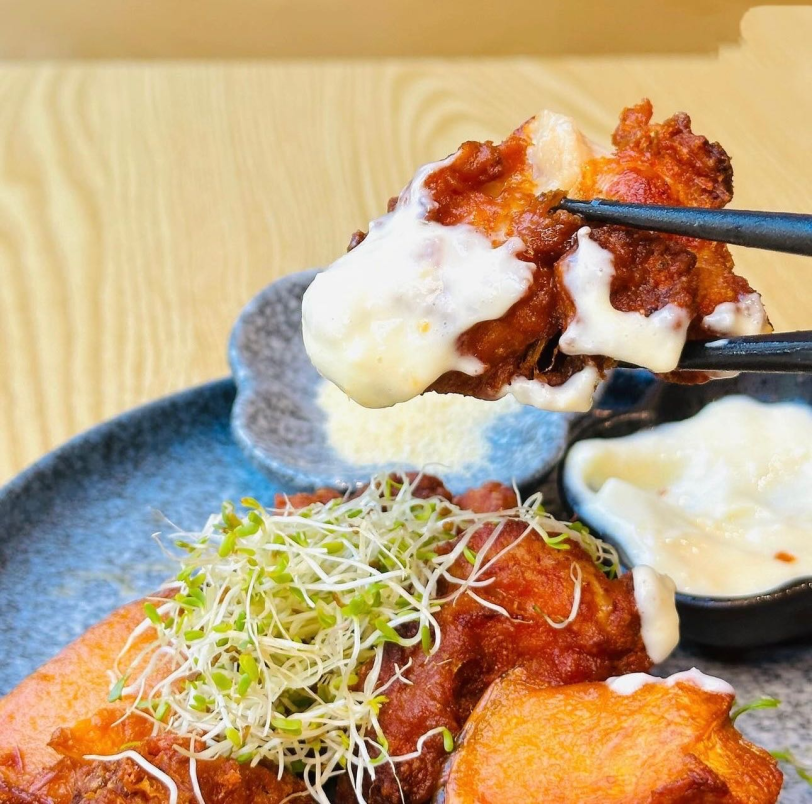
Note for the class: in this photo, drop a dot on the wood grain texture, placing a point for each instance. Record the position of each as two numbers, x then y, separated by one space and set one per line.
143 204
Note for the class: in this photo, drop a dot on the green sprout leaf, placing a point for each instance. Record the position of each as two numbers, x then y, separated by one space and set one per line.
288 725
152 614
234 737
249 666
244 685
118 690
389 634
789 758
765 702
221 681
448 740
425 639
161 710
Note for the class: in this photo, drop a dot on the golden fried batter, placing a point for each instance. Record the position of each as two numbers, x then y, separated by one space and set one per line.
123 781
41 761
494 188
585 744
532 582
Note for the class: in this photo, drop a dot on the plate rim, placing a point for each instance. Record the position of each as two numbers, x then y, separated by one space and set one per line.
50 461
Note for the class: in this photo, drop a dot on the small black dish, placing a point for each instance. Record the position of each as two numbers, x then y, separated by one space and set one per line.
634 401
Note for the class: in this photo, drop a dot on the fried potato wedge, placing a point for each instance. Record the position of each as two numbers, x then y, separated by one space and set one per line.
658 743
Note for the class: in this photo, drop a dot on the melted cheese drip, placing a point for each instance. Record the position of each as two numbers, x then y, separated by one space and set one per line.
382 322
744 317
654 595
633 682
654 342
720 502
573 395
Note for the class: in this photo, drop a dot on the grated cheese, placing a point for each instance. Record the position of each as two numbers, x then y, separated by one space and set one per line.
445 429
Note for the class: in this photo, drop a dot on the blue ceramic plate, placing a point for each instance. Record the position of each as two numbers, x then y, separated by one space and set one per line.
279 424
76 542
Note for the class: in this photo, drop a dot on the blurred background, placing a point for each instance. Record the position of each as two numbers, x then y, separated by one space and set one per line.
163 160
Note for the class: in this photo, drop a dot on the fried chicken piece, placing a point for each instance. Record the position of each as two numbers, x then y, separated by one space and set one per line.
421 304
41 761
484 499
532 582
666 742
492 187
123 781
76 679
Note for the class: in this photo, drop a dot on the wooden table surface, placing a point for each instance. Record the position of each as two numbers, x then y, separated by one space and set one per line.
142 204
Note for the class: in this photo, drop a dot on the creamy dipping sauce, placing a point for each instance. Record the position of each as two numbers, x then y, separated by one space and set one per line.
720 502
654 595
632 682
743 317
575 394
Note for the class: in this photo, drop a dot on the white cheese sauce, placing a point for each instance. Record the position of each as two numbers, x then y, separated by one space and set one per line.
743 317
575 394
654 342
382 322
720 502
654 595
633 682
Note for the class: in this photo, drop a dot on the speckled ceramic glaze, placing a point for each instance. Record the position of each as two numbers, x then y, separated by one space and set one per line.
77 541
282 429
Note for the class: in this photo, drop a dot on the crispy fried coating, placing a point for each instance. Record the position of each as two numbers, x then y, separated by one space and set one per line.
668 164
659 163
41 758
123 781
76 678
493 188
585 744
532 582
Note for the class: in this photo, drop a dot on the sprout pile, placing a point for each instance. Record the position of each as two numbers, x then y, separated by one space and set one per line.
275 629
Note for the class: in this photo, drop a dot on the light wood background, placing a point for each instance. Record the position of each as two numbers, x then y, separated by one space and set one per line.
363 28
142 204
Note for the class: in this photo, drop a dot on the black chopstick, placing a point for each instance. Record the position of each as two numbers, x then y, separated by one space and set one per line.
776 231
779 353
